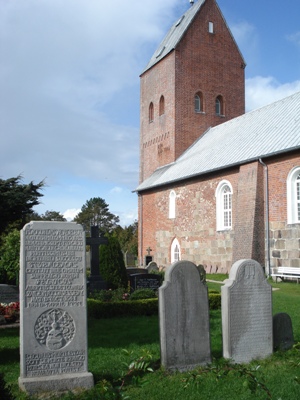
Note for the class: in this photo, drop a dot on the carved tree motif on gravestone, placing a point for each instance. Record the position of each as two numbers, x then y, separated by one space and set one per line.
54 329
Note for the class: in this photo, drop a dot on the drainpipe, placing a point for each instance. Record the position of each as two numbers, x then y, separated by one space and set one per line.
140 228
267 215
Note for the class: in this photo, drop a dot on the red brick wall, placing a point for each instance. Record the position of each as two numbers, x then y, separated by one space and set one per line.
210 63
284 237
195 222
194 225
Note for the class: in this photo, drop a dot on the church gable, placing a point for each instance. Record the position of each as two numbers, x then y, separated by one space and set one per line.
196 67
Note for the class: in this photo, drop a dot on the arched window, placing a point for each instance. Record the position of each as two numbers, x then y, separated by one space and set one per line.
224 206
198 101
219 105
151 112
293 196
161 105
172 204
175 251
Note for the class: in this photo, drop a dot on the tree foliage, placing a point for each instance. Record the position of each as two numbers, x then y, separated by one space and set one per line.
112 266
95 212
128 238
16 201
47 216
9 258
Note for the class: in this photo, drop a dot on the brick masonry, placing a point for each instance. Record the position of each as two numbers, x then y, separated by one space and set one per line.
212 64
195 222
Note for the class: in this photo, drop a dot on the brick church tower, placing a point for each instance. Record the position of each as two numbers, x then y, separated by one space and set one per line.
194 80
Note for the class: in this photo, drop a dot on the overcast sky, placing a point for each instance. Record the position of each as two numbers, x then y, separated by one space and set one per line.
69 87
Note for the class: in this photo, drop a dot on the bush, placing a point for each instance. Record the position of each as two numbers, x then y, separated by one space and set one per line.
141 294
214 300
112 266
98 309
109 295
9 258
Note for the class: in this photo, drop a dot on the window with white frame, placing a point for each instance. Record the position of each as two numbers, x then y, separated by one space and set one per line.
224 205
293 196
175 251
172 204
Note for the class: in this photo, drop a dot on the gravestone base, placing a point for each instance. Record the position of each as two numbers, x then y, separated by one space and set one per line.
56 383
95 284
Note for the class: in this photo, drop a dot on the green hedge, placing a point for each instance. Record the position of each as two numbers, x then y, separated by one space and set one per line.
98 309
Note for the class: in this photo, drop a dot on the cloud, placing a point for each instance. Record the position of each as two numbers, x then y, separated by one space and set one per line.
295 38
261 91
116 189
71 213
67 71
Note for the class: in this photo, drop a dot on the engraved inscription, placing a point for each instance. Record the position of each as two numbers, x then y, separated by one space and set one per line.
54 268
54 329
55 363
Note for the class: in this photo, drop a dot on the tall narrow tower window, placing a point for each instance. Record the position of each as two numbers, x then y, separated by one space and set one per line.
219 105
161 105
211 27
198 101
151 112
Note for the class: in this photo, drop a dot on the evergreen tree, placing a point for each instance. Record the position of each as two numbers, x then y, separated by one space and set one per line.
16 202
112 266
95 212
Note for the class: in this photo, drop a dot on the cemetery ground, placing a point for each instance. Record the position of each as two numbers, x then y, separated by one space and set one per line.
124 359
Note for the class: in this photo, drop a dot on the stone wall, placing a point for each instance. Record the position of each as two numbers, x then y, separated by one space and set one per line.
285 245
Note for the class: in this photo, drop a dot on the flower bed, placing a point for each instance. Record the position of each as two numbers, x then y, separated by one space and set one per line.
10 311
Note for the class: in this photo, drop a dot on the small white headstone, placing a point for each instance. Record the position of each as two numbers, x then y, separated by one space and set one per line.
184 318
53 322
247 313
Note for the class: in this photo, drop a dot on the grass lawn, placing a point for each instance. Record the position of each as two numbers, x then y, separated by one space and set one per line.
275 378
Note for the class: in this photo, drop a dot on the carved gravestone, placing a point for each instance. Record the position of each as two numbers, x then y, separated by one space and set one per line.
53 323
247 313
9 293
184 318
144 281
283 337
152 267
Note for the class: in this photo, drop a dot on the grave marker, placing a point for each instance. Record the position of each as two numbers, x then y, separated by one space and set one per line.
144 281
283 336
184 318
53 322
247 313
9 293
95 282
152 266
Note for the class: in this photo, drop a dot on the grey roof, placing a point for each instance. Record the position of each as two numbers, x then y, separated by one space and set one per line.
174 35
261 133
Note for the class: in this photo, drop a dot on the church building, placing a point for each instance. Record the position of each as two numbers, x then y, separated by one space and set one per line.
216 185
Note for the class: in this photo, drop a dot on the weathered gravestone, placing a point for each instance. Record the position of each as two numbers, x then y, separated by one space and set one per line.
247 313
144 281
130 260
283 338
53 322
9 294
152 266
184 318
